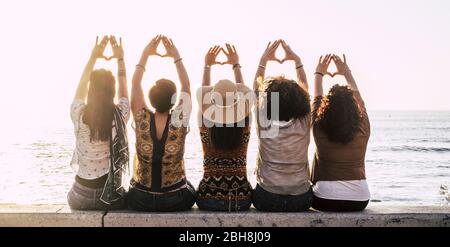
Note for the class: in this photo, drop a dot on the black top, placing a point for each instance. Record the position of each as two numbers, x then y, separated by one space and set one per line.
92 183
158 151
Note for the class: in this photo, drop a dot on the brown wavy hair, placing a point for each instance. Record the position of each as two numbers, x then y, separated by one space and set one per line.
99 111
339 115
294 102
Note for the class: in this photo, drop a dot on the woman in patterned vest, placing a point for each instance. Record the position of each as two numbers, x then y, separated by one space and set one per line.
225 131
159 181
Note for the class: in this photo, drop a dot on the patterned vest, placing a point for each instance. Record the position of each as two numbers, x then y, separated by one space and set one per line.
225 171
158 164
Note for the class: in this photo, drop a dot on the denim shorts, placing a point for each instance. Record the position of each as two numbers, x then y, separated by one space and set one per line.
84 198
264 200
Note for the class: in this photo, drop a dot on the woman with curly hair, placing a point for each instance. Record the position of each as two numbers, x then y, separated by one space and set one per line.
341 132
283 132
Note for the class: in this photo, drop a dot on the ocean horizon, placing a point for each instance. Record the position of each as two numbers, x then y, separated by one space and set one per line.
407 161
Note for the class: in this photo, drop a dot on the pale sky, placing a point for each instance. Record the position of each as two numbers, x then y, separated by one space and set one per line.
399 51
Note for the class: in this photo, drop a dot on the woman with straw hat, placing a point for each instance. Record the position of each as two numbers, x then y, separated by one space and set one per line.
224 117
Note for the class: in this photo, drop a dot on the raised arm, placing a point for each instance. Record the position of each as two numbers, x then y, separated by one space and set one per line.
268 55
321 71
97 53
292 56
118 54
137 94
210 60
172 52
233 59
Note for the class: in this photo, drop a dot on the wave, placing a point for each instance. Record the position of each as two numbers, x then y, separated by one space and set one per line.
412 148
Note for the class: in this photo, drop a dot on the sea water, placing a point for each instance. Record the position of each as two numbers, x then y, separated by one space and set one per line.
407 161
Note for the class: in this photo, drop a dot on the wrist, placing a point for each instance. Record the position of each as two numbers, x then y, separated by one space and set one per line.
143 59
318 73
298 66
177 60
93 57
263 62
348 72
176 57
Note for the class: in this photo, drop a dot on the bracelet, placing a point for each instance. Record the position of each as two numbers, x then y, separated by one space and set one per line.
318 73
262 66
299 67
207 66
236 65
122 73
120 59
177 60
140 66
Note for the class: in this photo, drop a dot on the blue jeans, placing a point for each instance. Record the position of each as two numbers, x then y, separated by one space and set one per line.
223 205
84 198
179 200
264 200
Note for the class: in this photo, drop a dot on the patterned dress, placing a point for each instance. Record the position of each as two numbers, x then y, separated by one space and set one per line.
225 173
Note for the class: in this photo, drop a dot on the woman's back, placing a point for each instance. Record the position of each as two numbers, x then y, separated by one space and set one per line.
338 161
225 170
91 159
159 163
282 160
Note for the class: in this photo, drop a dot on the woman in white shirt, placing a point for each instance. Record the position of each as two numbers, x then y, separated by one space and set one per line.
100 130
283 129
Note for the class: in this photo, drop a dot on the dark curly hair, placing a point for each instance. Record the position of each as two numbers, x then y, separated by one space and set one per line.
161 95
293 99
339 115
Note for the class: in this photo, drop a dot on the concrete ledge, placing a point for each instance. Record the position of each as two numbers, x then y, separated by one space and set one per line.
374 216
48 216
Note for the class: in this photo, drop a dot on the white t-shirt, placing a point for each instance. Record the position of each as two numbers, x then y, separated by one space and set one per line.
350 190
91 160
282 161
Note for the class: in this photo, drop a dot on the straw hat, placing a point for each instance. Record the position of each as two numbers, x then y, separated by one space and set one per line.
226 102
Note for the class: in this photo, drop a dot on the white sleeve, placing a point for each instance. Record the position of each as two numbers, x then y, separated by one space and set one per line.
75 110
124 106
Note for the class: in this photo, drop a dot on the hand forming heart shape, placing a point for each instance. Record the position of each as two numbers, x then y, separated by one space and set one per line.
213 53
221 57
170 49
99 48
271 49
324 62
